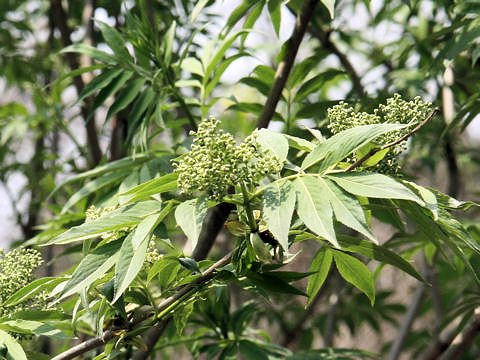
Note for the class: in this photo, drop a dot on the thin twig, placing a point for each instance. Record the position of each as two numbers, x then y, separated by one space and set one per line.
324 38
291 335
450 344
108 335
463 340
283 69
329 327
393 143
407 322
85 346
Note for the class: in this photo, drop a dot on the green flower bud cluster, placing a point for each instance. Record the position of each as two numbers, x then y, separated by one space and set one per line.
396 111
215 162
152 252
16 271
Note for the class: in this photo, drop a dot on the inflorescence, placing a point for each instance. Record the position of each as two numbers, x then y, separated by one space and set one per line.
215 162
16 271
342 117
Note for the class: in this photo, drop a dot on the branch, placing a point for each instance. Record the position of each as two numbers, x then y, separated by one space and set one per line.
450 344
283 69
448 107
212 225
463 340
61 17
296 331
85 346
393 143
108 335
324 38
407 322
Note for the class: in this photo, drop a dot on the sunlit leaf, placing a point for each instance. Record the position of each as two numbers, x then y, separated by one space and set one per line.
356 273
321 263
314 208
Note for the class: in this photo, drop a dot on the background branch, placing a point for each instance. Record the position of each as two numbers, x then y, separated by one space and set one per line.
283 69
93 144
407 322
324 38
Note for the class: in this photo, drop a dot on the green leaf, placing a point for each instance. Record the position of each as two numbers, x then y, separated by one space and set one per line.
130 260
273 141
260 248
155 186
278 203
116 220
314 208
252 351
316 83
433 231
14 349
189 216
93 186
32 289
110 90
333 354
125 97
475 55
99 82
92 52
299 143
145 229
347 208
193 65
77 72
374 186
431 202
190 264
139 107
252 108
197 10
379 253
330 5
41 315
356 273
222 49
33 328
118 165
262 87
159 266
375 158
339 146
92 267
301 70
238 13
181 316
273 283
321 263
211 84
115 41
265 74
274 9
167 43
